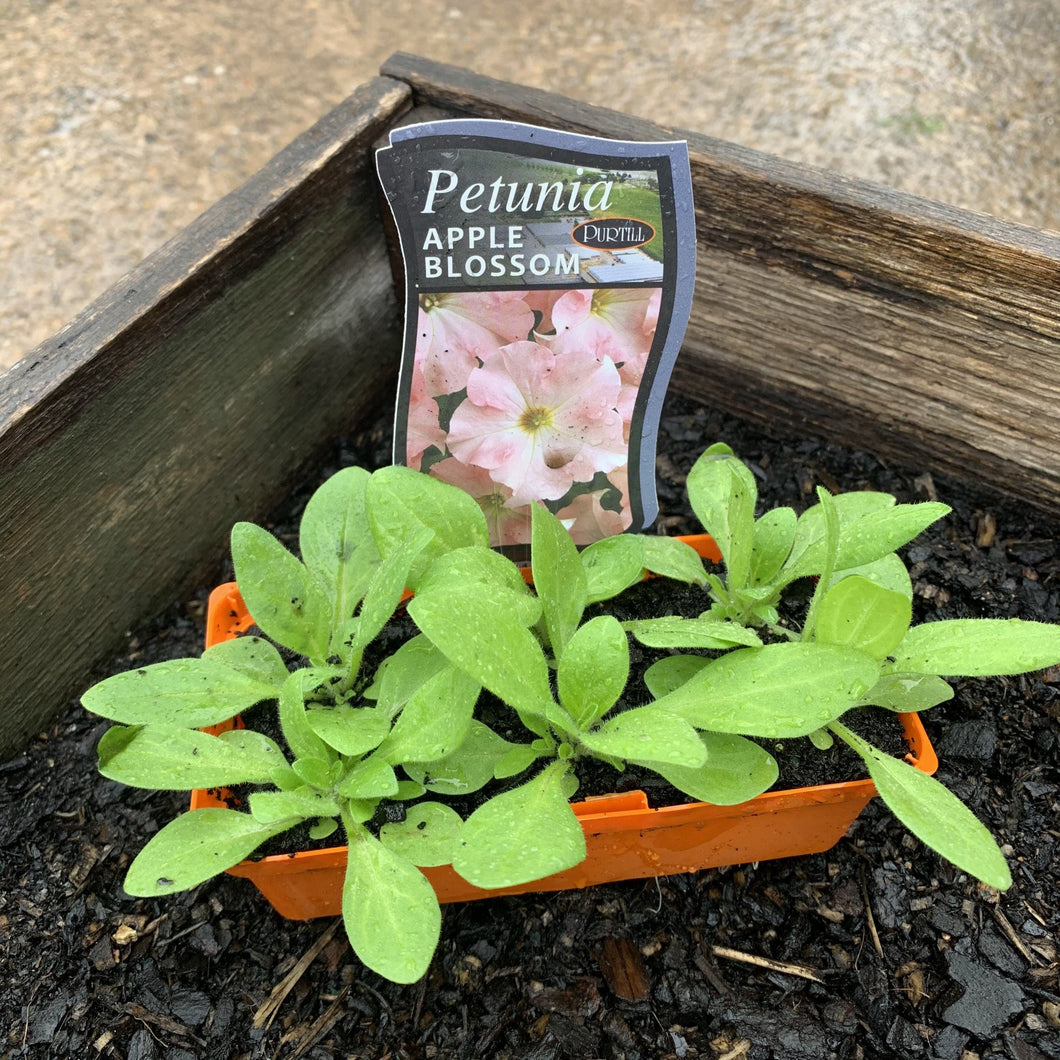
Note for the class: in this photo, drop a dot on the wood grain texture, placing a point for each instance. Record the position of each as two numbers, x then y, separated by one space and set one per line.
869 316
184 400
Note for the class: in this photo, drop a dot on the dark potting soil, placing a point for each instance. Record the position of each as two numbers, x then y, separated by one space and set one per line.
873 949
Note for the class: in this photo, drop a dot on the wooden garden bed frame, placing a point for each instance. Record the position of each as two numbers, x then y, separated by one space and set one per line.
190 394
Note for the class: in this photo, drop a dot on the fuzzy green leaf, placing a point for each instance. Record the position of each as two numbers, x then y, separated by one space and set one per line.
675 559
350 730
408 790
861 614
323 828
336 542
594 669
470 767
267 807
402 502
284 596
386 589
521 835
390 911
907 693
316 772
779 690
371 779
978 647
254 657
822 739
676 632
873 536
194 847
670 673
647 734
515 761
427 836
774 534
299 734
611 565
888 572
735 770
163 758
496 576
181 692
435 720
488 643
559 577
933 813
870 526
415 662
722 493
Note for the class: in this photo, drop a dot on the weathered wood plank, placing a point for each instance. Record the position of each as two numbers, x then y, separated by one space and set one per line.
184 399
871 316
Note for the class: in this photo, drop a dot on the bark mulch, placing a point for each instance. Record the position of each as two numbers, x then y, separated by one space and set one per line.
873 949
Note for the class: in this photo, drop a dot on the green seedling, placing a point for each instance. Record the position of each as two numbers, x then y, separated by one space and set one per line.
565 679
411 728
346 745
855 647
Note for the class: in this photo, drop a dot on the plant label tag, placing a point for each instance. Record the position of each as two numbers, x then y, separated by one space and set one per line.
548 281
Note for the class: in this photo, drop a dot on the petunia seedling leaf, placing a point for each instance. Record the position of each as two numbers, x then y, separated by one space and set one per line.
267 807
336 541
780 690
428 835
254 657
906 693
284 596
670 673
863 615
494 574
194 847
413 664
390 911
180 692
386 589
559 577
774 535
470 767
402 502
932 813
735 770
676 632
435 720
978 647
164 758
521 835
490 644
722 493
611 565
593 671
647 734
371 778
349 730
297 731
670 558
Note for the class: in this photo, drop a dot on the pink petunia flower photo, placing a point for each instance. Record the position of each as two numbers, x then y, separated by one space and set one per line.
454 332
526 395
539 423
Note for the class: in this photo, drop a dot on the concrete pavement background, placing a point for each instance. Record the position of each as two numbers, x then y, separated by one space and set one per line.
121 120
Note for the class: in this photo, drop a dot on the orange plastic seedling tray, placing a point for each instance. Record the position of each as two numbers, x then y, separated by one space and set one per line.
625 839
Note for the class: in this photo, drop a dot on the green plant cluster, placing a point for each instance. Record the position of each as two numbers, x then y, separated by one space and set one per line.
408 731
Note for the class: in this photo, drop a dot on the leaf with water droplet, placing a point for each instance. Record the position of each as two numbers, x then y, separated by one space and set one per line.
751 691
